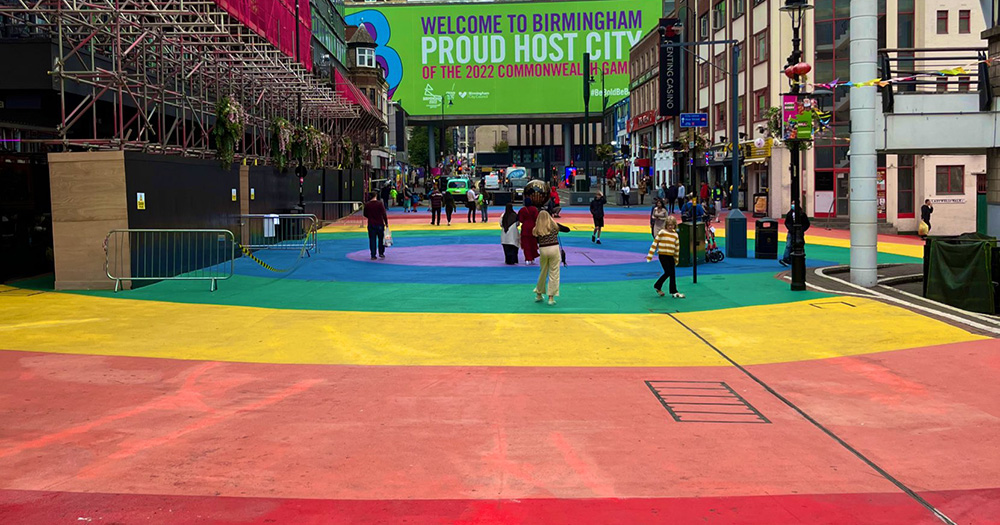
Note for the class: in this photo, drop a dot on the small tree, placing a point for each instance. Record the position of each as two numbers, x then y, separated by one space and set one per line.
501 147
605 153
417 147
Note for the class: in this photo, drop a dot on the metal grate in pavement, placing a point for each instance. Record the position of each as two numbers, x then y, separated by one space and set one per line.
704 402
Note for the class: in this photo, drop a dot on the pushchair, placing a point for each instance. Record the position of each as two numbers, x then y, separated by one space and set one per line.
712 252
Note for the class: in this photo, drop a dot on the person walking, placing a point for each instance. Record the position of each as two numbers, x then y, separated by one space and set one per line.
667 246
681 195
527 217
437 200
414 199
692 211
510 239
626 190
672 198
717 195
925 216
386 194
795 216
642 191
661 192
393 196
546 231
378 221
449 206
597 212
406 199
659 217
704 193
484 205
470 203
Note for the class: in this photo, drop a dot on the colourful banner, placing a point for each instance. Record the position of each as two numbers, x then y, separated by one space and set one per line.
505 58
275 21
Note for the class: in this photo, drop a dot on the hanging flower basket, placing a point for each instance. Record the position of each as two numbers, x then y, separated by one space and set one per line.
687 137
281 142
230 120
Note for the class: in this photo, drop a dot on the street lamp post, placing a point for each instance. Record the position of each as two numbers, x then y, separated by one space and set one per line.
443 105
796 9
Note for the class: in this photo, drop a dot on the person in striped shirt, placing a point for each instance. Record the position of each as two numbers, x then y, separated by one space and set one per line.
667 245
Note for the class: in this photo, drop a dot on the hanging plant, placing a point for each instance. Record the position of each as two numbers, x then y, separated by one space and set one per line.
687 137
774 124
281 141
298 148
230 119
776 129
317 146
345 153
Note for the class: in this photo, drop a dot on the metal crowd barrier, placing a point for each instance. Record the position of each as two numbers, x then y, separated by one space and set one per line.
169 255
341 212
295 231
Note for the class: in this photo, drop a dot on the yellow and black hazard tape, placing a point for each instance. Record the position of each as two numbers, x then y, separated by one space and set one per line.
305 247
258 261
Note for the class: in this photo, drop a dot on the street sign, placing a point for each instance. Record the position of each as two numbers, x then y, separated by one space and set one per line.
694 120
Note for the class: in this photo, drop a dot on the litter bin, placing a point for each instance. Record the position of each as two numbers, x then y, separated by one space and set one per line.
766 243
582 184
684 238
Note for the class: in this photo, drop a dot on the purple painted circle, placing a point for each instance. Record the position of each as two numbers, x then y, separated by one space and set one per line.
486 255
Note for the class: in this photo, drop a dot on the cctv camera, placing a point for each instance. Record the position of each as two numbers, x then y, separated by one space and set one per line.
662 30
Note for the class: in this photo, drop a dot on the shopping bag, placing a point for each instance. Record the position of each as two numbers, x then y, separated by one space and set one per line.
923 229
387 242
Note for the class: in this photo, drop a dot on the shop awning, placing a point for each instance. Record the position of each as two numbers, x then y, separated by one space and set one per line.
349 91
757 160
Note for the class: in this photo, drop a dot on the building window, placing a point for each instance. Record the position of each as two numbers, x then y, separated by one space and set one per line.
904 188
366 57
703 24
720 116
760 47
942 22
720 67
964 84
739 8
741 60
761 105
741 104
702 74
963 21
950 180
942 84
719 15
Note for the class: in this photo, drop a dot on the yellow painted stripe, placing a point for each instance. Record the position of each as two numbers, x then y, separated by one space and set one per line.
819 329
764 334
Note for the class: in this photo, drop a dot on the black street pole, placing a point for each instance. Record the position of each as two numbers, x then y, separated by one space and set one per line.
300 170
797 237
586 115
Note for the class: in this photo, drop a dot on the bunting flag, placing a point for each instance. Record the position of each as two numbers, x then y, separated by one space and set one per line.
950 72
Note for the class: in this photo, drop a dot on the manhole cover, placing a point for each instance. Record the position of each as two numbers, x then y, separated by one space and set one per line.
704 402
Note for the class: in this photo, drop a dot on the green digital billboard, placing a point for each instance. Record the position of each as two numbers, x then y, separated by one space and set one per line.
505 58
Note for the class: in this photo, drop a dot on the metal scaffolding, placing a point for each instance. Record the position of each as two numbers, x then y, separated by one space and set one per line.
158 68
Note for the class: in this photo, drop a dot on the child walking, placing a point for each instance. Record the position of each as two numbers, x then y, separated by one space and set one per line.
667 245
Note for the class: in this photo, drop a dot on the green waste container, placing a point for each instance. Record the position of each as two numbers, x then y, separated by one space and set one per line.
684 232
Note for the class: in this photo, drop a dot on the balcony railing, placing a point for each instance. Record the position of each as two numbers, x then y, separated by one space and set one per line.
938 70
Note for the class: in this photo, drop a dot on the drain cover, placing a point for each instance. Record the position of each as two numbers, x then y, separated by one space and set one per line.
704 402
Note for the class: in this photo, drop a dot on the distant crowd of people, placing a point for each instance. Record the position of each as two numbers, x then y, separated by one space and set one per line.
535 232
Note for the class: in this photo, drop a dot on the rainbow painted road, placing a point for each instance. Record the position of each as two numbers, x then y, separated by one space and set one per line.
430 388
